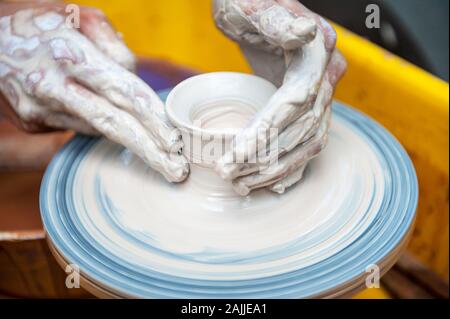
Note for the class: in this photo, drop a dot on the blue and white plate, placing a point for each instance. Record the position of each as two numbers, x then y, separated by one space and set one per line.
134 235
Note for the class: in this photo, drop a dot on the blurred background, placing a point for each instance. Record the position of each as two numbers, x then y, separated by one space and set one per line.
397 74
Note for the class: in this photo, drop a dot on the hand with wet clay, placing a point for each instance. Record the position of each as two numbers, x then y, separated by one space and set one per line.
293 48
55 76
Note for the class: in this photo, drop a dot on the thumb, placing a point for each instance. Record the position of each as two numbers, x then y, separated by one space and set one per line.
282 28
264 24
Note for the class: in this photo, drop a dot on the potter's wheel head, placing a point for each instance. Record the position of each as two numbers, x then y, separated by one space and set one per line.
133 234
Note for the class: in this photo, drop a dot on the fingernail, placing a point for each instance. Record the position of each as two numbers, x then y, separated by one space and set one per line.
303 26
225 171
177 172
176 147
174 141
241 188
278 188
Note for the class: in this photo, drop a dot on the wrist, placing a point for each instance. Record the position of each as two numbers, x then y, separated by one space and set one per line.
10 8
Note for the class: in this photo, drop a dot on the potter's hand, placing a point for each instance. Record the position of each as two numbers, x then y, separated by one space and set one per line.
56 76
295 49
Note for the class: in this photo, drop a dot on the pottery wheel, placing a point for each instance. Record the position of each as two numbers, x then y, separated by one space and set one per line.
132 234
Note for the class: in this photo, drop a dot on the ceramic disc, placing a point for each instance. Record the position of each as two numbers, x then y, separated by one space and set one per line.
135 235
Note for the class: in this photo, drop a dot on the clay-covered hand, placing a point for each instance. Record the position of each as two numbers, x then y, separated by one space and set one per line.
293 48
54 75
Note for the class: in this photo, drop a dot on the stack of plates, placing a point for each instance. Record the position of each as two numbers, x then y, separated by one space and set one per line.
134 235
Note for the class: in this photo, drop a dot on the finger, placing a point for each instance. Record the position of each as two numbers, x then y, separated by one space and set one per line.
286 166
297 95
287 182
281 186
300 10
96 27
280 27
116 125
264 23
335 71
32 116
307 124
63 121
336 68
304 127
121 87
